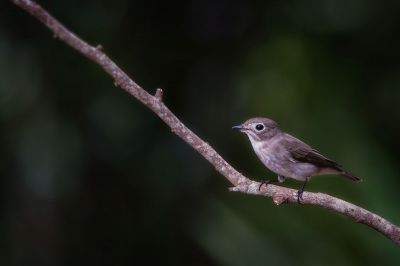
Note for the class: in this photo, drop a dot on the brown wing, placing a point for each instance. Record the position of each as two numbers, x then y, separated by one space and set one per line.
302 152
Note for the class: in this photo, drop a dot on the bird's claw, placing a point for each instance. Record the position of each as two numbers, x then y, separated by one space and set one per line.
264 183
299 195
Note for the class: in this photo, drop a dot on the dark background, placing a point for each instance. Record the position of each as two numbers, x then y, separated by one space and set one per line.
89 176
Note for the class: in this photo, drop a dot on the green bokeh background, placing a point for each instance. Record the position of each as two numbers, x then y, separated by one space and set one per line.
89 176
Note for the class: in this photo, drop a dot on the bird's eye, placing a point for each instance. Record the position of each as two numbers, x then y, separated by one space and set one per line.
259 127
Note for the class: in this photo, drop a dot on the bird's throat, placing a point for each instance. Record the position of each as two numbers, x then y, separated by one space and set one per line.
257 143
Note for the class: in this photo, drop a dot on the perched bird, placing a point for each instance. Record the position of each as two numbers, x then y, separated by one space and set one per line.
286 155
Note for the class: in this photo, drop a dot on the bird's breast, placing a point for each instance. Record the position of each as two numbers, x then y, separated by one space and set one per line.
277 159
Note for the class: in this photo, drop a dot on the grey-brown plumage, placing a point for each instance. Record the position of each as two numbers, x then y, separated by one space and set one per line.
286 155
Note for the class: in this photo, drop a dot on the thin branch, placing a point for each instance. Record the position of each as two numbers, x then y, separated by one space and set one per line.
241 183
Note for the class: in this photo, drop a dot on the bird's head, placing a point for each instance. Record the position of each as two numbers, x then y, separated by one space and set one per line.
259 128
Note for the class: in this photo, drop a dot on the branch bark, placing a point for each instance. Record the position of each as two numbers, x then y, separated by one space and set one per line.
240 183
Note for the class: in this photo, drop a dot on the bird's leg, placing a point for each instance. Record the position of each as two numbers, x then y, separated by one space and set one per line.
280 180
300 192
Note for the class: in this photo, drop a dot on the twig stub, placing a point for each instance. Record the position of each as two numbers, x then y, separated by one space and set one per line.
159 94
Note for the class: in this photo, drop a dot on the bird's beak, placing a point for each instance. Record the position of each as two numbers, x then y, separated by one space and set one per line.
237 127
240 127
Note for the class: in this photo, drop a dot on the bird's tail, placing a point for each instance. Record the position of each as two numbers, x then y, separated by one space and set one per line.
350 176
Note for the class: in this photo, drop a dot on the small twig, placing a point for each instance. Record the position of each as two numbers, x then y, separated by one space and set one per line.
242 184
159 94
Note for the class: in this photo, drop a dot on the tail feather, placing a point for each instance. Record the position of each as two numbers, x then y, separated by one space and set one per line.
350 176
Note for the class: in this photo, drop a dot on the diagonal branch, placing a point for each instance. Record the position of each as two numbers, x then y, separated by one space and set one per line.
241 183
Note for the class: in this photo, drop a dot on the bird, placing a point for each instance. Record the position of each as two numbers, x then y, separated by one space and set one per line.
288 156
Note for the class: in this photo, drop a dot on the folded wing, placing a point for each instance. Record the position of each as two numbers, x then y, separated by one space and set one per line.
302 152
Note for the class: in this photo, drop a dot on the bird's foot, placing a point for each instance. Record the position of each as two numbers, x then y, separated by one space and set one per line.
301 190
266 183
300 195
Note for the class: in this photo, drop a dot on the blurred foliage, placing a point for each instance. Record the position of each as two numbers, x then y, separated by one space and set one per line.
89 176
